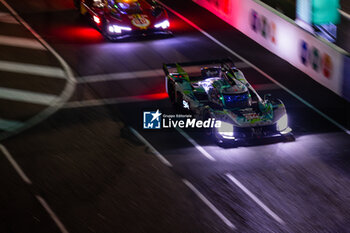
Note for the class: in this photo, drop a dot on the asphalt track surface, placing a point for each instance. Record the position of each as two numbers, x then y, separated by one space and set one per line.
270 186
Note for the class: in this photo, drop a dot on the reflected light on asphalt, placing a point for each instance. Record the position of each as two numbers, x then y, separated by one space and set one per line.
156 96
77 34
304 148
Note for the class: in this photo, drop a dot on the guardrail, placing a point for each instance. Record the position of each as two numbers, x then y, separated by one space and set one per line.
323 61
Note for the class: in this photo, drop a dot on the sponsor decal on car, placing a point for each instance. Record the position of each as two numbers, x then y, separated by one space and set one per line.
140 21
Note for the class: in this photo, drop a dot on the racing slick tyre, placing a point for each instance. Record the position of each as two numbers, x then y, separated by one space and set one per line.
225 143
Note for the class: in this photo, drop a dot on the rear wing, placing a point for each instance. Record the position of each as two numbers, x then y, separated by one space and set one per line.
183 68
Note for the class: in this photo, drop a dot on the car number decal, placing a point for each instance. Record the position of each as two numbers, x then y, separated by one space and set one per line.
140 21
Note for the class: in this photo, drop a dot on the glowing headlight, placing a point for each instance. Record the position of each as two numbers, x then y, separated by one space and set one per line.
226 130
165 24
117 29
282 123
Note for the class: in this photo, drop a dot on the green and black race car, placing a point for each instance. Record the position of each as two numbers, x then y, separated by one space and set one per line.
215 89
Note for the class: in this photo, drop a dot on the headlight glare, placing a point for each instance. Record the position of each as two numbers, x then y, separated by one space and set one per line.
226 130
118 29
165 24
282 123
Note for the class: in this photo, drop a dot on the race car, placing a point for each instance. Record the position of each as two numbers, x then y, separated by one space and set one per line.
117 19
216 89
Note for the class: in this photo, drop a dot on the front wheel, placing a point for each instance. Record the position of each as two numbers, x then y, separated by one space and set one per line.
226 143
289 137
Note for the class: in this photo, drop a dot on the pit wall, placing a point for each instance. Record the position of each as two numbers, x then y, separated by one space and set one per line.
324 62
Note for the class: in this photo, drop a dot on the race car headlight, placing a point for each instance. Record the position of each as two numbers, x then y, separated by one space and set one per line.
165 24
226 130
282 123
118 29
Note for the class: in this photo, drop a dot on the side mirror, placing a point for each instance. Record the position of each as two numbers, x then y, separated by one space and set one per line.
157 11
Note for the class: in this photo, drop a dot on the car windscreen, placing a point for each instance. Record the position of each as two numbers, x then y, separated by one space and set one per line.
130 8
236 100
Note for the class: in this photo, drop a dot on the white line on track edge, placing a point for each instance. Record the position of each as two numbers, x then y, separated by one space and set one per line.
140 74
21 42
154 151
255 199
209 204
7 125
52 214
234 180
186 182
31 69
25 96
15 165
347 131
25 178
102 102
65 94
195 144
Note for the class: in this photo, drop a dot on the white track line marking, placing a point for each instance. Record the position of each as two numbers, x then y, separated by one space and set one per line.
256 68
7 125
255 199
266 87
101 102
195 144
242 65
52 214
346 15
15 165
156 73
153 150
122 76
187 183
93 103
7 18
209 204
26 96
134 99
25 178
47 71
21 42
130 75
65 94
250 194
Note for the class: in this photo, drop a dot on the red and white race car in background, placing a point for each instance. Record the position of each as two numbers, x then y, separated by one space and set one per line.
118 19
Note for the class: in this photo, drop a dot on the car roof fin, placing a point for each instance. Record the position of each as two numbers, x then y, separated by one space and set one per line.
182 72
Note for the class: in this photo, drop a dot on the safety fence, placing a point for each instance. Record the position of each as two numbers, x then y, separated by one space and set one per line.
326 63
